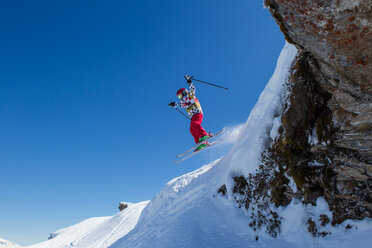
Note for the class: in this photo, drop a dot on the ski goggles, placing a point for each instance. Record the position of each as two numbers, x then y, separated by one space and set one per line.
184 93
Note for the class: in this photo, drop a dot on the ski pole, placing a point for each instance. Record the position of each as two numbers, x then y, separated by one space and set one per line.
215 85
182 113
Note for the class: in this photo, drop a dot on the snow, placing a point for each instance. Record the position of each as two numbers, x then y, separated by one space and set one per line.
274 131
188 212
7 244
315 163
257 131
96 232
313 138
294 231
231 134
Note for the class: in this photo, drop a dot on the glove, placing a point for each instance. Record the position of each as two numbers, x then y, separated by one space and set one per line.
188 79
172 104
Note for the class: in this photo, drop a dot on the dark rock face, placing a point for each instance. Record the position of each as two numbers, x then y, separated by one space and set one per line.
306 115
336 32
331 101
314 151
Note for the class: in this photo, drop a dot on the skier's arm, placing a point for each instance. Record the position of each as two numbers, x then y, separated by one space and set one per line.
175 105
192 88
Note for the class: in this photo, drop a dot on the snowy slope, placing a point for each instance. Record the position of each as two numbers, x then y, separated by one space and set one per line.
96 232
187 213
7 244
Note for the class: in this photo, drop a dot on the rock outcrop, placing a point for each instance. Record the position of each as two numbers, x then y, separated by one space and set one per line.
338 33
326 134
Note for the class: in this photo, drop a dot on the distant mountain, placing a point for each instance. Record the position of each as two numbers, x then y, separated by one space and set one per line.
7 244
95 232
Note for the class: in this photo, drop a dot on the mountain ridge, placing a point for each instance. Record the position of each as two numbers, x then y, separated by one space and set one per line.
7 244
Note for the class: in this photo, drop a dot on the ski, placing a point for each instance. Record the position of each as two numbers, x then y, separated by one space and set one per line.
195 152
196 145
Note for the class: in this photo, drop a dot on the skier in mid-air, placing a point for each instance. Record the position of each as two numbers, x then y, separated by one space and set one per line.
193 108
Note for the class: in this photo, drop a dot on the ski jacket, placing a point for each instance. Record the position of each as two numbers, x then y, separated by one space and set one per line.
190 102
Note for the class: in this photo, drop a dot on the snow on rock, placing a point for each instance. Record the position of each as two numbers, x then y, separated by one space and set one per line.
295 231
96 232
255 135
7 244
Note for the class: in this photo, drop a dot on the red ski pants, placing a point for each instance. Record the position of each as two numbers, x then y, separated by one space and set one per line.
196 129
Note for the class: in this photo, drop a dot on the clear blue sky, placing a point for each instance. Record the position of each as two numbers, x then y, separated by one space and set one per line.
84 88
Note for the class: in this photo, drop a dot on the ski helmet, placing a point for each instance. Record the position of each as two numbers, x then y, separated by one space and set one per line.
182 91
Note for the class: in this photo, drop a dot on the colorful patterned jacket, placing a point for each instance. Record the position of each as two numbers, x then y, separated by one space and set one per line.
190 102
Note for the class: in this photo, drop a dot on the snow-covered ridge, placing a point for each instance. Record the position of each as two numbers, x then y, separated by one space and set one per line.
96 232
7 244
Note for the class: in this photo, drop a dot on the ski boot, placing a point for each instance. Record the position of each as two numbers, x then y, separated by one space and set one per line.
203 145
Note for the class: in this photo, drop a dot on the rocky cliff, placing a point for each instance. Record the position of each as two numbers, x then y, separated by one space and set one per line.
325 139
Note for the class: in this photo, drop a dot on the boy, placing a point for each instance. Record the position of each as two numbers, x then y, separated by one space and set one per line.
193 108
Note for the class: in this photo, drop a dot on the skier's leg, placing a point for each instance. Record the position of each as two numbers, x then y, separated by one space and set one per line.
201 130
198 129
194 129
